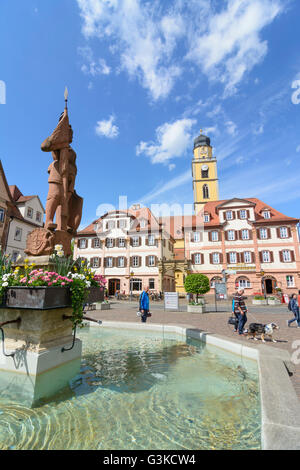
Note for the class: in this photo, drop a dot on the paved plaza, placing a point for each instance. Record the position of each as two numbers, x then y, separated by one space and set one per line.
213 323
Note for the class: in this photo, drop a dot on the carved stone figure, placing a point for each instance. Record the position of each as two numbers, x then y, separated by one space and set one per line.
62 201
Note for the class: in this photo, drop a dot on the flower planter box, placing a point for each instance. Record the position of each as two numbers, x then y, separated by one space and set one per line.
44 298
37 298
259 302
96 294
273 302
102 306
196 308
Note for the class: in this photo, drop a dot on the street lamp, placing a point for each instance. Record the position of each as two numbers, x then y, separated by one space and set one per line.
131 276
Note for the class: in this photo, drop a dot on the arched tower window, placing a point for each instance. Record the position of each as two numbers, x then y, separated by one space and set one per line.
205 192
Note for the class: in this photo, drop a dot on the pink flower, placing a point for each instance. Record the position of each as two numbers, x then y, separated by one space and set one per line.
63 283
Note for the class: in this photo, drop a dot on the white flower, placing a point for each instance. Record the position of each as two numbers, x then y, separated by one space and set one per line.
60 254
5 284
58 248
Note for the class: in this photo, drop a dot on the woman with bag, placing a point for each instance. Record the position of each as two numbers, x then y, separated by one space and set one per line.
144 305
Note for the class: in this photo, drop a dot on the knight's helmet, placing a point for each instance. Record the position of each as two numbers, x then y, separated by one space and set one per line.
62 135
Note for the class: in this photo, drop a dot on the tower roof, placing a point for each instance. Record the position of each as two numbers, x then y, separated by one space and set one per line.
201 140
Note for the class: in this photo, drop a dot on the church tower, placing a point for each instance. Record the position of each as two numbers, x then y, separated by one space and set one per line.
204 170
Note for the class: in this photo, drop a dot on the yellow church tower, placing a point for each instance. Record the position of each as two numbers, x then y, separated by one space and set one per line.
204 170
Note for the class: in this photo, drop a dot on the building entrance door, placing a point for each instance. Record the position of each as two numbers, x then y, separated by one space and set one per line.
269 286
113 286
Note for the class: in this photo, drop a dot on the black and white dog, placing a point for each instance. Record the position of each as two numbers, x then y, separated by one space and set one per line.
263 330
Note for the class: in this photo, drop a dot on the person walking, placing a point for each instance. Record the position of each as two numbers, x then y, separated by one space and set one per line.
235 314
240 310
144 304
294 307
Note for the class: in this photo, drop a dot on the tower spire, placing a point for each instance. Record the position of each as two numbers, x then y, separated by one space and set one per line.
66 98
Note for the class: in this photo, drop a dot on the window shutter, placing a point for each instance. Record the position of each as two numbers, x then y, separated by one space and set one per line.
248 214
260 256
93 242
140 241
113 243
106 241
228 258
281 256
233 215
252 257
91 262
156 261
289 232
238 214
221 258
193 259
239 257
292 256
99 262
202 258
278 232
210 236
269 232
271 257
250 234
211 258
140 261
146 241
118 224
226 235
131 242
258 233
156 242
147 260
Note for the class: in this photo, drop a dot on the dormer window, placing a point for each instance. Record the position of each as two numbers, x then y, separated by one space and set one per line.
29 212
206 217
122 223
110 224
229 215
143 223
266 214
243 214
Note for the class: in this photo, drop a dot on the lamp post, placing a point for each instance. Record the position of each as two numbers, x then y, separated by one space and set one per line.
131 276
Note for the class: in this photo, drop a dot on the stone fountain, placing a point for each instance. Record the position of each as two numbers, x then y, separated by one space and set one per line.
40 353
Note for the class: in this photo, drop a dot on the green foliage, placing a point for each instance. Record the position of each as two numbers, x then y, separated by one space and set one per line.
196 284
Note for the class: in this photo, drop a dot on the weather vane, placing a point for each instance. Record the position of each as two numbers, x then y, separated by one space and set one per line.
66 96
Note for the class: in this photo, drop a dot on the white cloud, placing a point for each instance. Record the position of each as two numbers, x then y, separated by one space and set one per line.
231 128
152 39
91 66
172 166
172 141
232 46
106 128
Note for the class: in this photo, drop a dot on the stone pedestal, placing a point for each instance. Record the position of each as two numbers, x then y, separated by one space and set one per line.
39 368
40 262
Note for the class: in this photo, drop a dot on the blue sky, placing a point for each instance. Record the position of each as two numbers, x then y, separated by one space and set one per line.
143 79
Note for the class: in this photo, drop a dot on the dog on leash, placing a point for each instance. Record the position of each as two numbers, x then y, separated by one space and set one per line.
262 330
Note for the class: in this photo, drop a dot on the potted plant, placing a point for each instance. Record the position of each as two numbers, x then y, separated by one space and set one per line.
197 284
68 285
259 299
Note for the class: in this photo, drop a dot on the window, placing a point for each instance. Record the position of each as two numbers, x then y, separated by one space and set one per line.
38 217
266 258
110 224
232 258
245 234
205 192
135 262
266 215
231 235
151 283
82 243
151 261
109 262
2 215
18 234
286 255
284 232
243 214
196 237
229 215
109 242
206 217
244 283
263 233
248 257
136 285
29 212
121 262
214 236
197 258
96 243
204 171
216 258
143 223
122 223
121 242
95 263
151 240
290 281
135 241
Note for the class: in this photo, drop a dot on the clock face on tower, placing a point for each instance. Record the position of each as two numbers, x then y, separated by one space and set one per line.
203 150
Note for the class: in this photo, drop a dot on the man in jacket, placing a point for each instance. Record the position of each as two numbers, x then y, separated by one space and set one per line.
144 304
294 307
240 310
